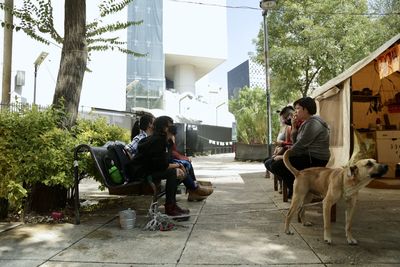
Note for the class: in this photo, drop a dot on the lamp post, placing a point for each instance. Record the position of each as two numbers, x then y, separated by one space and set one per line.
216 112
37 63
265 5
180 100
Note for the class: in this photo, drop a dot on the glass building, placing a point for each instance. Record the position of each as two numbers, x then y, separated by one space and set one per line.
180 48
145 75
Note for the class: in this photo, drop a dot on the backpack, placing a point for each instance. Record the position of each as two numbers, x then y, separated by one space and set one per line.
117 157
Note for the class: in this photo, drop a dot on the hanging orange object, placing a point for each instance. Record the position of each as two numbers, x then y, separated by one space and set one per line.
389 62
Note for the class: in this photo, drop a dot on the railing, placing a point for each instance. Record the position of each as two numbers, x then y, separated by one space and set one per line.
18 107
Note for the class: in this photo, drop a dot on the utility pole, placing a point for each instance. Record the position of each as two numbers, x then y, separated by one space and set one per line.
265 5
7 51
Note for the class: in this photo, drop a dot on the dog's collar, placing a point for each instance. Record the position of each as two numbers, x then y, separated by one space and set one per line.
351 190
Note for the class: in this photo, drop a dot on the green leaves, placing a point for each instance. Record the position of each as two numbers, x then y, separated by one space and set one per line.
249 109
35 19
313 41
112 6
34 149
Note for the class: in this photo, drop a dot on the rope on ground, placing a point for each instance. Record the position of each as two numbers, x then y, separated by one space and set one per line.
158 221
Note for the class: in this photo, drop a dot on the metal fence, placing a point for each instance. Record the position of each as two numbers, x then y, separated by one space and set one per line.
198 138
191 138
18 107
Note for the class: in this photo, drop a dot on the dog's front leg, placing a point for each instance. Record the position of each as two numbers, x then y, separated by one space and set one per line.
327 206
350 208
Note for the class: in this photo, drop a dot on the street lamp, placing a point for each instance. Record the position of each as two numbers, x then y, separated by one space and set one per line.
265 5
216 112
180 100
37 63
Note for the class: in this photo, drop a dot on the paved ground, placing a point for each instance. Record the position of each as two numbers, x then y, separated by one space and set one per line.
239 225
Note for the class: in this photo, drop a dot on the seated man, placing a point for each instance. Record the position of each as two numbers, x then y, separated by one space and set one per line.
141 129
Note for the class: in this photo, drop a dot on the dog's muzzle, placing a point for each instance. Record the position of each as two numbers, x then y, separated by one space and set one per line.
382 169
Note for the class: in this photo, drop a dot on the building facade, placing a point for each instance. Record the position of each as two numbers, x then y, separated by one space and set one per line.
145 75
249 73
180 47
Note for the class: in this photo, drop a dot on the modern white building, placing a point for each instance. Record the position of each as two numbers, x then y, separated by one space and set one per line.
183 42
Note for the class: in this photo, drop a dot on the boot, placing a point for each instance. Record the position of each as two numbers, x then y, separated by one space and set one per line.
172 210
182 210
204 183
193 196
203 190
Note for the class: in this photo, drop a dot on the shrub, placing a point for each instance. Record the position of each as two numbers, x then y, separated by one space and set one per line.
33 149
31 146
249 109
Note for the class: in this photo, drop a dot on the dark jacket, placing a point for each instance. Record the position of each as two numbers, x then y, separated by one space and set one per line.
312 139
152 156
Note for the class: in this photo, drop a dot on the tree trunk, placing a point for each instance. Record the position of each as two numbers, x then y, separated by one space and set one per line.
73 60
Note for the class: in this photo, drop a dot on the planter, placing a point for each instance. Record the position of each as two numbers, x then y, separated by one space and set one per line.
255 152
3 208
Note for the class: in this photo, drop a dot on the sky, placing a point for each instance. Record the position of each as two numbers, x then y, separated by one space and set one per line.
243 27
104 86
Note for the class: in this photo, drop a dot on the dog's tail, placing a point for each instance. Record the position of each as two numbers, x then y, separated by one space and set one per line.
288 164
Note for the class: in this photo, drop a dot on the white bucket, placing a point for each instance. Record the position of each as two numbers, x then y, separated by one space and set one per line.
127 219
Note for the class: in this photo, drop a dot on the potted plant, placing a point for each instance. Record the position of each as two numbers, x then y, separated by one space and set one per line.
249 109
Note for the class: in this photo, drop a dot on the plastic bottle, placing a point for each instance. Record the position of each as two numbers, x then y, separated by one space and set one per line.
127 219
115 175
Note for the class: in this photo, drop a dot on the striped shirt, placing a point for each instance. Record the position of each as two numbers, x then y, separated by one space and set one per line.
131 148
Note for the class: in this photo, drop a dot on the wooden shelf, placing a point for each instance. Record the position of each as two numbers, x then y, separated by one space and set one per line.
363 98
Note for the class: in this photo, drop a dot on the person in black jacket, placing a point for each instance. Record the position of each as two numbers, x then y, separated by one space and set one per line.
153 158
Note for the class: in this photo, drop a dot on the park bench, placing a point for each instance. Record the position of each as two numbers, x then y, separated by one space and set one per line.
141 186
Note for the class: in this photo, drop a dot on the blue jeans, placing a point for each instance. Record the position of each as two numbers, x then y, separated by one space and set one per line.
189 181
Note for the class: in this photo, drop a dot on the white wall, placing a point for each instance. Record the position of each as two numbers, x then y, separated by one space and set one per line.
196 30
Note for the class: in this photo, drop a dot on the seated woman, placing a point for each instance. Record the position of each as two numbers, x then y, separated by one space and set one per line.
310 142
152 158
283 141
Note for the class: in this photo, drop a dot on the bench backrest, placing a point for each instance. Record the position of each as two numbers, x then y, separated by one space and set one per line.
98 154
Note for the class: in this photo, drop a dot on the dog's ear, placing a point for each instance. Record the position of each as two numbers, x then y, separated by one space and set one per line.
351 171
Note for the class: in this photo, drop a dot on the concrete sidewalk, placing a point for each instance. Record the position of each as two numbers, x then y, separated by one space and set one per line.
241 224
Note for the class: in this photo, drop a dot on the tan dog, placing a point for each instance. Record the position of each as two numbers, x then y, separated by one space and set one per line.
331 184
